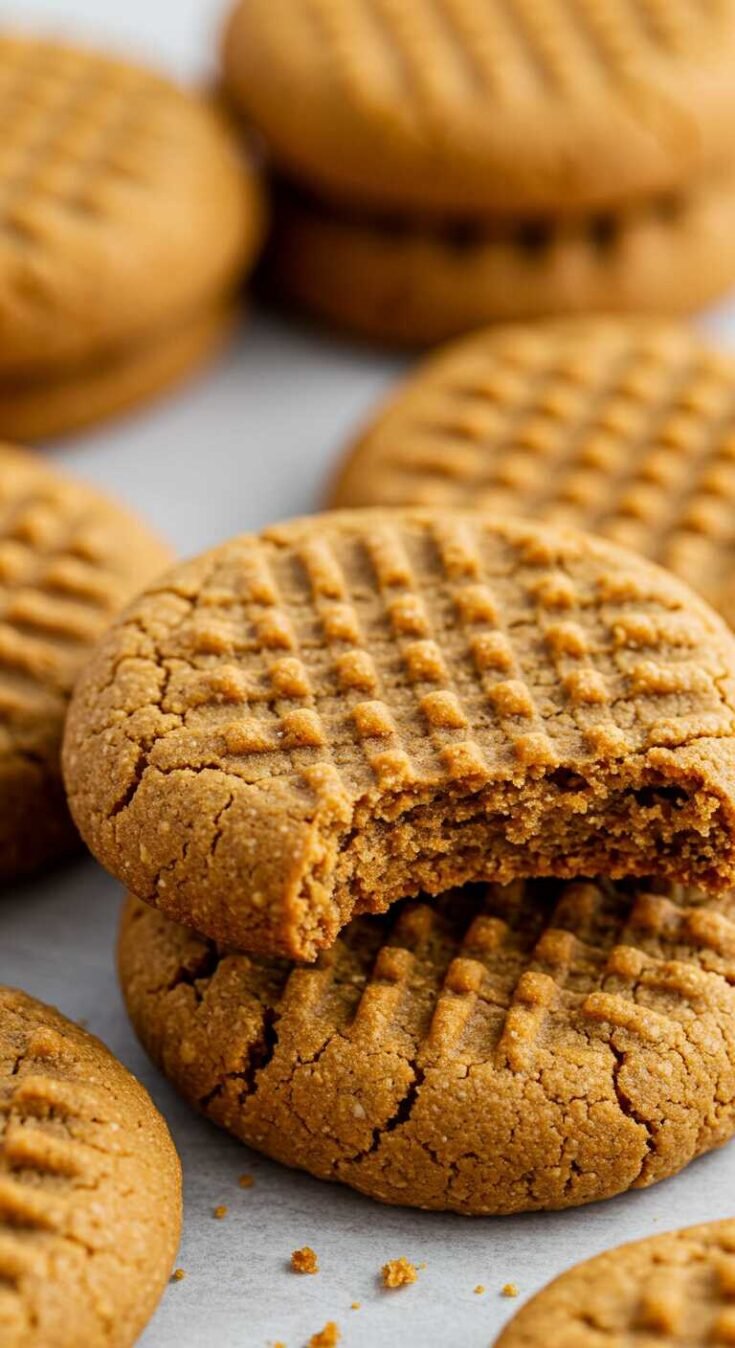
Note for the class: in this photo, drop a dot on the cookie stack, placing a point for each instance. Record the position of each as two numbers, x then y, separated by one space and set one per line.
127 219
302 733
446 165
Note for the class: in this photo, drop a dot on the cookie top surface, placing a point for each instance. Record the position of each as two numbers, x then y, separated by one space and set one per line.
69 559
480 106
90 1190
245 733
676 1290
123 204
623 428
505 1049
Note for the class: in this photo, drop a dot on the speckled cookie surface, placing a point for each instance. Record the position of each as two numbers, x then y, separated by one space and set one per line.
90 1188
32 409
124 204
516 1049
349 709
674 1290
625 429
482 106
403 282
69 560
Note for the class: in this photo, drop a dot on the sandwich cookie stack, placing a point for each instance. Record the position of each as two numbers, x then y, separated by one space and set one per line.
428 823
443 165
128 217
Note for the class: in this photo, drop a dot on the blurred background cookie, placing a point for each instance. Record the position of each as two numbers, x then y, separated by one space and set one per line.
623 428
414 286
127 219
69 560
672 1289
90 1187
474 161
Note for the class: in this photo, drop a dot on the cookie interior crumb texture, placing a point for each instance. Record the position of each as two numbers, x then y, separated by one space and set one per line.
398 1273
295 728
599 1019
673 1288
90 1187
304 1260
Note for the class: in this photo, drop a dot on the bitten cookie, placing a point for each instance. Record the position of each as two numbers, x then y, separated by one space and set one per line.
349 709
415 283
90 1187
486 106
500 1051
126 217
69 560
625 429
672 1289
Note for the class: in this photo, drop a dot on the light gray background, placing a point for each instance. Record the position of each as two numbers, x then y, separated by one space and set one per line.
250 442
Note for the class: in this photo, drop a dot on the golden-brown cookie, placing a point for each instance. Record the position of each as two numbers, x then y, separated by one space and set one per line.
349 709
671 1290
623 428
90 1187
69 560
124 208
37 410
485 106
534 1047
414 284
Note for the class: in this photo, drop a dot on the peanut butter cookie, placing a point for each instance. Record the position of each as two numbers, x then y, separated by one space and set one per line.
503 1050
347 710
671 1290
625 429
90 1187
413 282
486 106
69 560
30 410
126 214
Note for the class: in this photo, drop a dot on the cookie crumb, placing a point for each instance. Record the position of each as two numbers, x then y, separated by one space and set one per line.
328 1337
221 1211
178 1274
479 1289
510 1290
399 1273
304 1260
246 1181
355 1305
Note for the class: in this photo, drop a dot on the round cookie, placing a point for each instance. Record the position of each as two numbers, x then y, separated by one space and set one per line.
625 429
486 106
125 208
90 1187
672 1289
37 411
409 283
506 1050
69 560
346 710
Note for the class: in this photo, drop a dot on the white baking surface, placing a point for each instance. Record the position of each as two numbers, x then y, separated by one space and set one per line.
250 442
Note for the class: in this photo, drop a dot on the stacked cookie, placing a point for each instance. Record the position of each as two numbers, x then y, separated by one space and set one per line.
127 220
324 722
445 165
